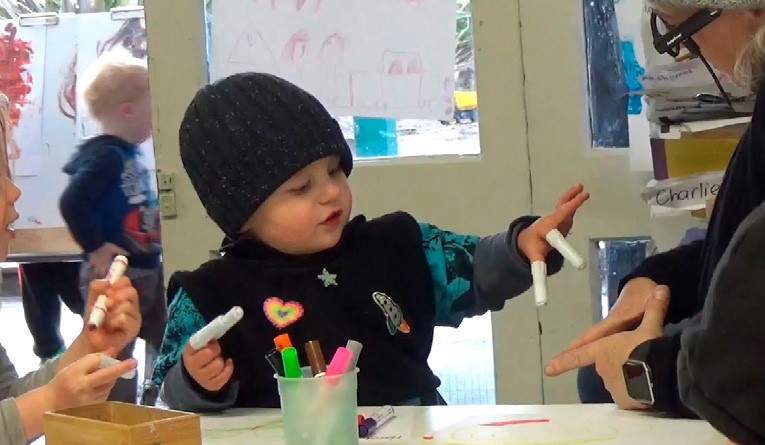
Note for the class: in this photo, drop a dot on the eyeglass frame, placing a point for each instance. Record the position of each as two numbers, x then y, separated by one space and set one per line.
682 34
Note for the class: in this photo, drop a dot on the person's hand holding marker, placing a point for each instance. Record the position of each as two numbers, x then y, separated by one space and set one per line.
98 312
549 232
113 312
203 357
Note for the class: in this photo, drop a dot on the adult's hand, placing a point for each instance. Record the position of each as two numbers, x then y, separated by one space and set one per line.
626 314
611 352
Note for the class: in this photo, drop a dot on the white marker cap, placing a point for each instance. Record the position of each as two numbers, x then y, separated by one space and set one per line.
559 243
539 275
107 361
117 269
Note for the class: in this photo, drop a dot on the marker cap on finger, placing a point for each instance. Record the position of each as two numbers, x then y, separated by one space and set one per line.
107 361
539 276
559 243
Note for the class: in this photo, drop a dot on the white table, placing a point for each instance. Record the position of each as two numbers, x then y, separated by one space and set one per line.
457 425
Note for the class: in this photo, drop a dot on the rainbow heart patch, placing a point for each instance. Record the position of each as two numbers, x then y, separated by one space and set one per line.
282 314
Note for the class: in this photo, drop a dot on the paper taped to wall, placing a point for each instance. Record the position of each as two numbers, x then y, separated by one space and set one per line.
688 193
372 58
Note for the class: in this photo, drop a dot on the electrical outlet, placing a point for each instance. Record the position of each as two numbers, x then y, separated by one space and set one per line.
167 205
165 181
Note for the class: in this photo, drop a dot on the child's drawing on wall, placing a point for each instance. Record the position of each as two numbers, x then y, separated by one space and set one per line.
14 152
130 38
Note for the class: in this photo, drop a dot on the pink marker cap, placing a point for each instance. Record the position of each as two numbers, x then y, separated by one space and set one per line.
339 363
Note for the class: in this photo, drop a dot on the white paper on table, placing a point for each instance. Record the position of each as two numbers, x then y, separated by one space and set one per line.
572 428
232 426
399 429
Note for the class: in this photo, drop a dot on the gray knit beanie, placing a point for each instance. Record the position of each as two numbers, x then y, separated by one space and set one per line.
243 136
712 4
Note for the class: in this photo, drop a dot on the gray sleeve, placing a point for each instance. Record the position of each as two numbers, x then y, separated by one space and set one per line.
720 365
11 430
500 271
180 392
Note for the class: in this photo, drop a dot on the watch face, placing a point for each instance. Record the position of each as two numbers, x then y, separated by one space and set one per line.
637 376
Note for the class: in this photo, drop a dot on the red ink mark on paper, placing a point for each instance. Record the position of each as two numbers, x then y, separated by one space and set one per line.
296 46
15 79
396 68
333 45
414 66
67 97
516 422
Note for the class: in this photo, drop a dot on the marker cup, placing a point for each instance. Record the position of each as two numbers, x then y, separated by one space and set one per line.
320 411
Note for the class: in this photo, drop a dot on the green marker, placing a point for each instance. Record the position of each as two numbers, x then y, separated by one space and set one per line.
291 364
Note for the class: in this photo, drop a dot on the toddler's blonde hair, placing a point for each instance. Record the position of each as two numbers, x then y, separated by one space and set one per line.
111 81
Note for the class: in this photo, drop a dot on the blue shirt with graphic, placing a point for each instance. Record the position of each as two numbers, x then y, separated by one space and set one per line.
109 199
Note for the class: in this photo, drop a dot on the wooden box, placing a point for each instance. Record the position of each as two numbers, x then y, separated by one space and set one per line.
115 423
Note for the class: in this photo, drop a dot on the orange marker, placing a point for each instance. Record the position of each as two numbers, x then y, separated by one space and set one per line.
282 341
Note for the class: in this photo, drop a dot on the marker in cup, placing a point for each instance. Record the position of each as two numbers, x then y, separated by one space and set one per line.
98 313
274 359
315 357
291 364
355 348
282 341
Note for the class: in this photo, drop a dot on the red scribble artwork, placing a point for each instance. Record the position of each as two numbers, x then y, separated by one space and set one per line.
295 48
15 79
67 97
516 422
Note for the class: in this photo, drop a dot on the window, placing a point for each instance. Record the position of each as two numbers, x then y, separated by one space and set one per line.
371 138
613 48
376 138
616 259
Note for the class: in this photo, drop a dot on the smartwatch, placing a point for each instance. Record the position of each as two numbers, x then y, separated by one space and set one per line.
638 376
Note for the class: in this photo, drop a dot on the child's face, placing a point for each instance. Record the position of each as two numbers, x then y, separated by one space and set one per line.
307 213
138 115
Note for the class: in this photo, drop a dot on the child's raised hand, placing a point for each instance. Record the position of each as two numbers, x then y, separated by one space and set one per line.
85 382
207 366
531 240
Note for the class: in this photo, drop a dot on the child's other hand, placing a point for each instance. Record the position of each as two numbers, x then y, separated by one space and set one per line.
531 240
123 315
84 382
101 259
207 366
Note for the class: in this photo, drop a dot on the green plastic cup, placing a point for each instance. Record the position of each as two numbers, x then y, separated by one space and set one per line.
321 410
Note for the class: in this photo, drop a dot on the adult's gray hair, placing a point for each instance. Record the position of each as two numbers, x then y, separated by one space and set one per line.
711 4
750 64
